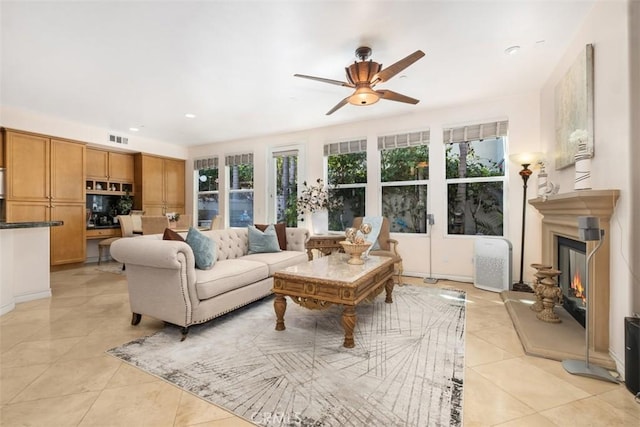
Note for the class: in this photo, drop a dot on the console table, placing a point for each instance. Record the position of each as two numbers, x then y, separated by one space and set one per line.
326 244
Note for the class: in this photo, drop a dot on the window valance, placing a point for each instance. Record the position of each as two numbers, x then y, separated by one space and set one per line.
476 132
403 140
208 163
345 147
239 159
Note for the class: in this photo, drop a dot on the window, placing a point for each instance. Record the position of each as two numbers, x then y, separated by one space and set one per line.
240 184
347 179
475 179
285 165
208 196
404 176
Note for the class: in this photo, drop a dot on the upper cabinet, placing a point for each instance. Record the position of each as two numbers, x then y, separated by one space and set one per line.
109 172
45 178
159 184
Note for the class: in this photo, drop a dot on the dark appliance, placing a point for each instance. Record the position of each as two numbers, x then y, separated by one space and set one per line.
632 354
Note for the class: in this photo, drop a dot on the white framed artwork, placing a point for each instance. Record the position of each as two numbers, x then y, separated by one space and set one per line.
574 109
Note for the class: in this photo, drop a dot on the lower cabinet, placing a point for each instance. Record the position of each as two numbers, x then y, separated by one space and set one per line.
68 242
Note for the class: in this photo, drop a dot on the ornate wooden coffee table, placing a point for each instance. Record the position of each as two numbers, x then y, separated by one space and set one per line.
329 280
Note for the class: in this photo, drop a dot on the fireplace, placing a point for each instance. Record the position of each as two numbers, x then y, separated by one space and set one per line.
560 220
572 261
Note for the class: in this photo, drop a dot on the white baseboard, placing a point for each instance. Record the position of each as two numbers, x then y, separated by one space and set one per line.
33 296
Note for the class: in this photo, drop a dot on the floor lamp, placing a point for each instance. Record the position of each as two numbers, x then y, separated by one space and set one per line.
431 280
525 160
589 230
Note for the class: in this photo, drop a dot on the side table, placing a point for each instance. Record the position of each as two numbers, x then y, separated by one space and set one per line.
326 244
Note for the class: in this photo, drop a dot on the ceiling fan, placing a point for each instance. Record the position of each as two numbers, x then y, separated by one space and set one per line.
364 75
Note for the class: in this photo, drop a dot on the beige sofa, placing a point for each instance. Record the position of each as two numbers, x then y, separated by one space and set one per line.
164 283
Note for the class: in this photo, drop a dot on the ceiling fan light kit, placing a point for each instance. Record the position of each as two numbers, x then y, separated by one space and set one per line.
364 75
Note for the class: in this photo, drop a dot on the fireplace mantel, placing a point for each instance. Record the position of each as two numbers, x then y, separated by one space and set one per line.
560 213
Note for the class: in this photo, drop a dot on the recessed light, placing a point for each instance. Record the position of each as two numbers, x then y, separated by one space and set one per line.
134 129
512 50
190 116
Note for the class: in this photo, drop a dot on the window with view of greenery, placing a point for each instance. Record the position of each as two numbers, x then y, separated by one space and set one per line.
208 195
286 170
347 175
404 175
475 186
240 178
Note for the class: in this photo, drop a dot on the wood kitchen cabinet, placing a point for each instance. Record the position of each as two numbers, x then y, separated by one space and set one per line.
109 172
110 166
159 184
45 181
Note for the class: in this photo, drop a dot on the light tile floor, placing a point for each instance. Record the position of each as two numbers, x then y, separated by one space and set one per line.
54 370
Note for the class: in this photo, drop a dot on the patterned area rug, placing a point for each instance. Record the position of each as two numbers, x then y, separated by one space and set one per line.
406 368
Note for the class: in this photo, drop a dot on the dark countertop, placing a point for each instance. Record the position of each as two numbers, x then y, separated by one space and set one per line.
102 227
34 224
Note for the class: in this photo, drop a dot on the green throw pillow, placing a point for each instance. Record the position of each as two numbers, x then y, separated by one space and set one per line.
263 241
204 249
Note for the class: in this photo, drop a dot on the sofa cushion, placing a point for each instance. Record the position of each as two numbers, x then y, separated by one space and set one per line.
278 260
204 249
228 275
281 232
263 241
169 234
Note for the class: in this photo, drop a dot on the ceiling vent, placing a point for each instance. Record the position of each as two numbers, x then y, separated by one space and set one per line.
118 139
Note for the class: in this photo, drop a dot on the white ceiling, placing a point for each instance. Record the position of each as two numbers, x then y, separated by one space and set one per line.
122 64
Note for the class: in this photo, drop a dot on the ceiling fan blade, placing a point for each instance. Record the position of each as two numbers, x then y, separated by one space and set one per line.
394 69
339 105
321 79
395 96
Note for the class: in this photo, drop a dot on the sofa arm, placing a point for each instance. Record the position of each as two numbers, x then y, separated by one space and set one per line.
297 238
152 252
161 278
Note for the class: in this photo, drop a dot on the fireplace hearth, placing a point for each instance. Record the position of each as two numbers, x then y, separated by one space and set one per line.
572 261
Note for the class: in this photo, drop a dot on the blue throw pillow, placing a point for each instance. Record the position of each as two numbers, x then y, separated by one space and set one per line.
204 249
263 241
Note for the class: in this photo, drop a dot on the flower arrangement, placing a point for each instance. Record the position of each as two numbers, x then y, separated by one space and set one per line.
173 216
578 136
313 198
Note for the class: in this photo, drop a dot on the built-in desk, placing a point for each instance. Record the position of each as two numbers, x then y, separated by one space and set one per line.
24 262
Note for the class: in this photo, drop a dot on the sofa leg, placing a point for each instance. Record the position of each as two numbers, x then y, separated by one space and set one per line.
135 318
184 331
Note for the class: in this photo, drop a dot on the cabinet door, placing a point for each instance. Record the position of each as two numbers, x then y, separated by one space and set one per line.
67 171
174 185
2 150
97 164
27 174
152 181
27 211
68 243
121 167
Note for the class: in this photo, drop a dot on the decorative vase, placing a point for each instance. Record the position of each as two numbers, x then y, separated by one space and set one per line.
550 294
542 182
355 251
583 168
320 222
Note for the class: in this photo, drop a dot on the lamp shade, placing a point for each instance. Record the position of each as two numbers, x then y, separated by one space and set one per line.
526 158
364 95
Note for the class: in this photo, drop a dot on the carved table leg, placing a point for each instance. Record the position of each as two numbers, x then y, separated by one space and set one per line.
349 323
280 306
389 288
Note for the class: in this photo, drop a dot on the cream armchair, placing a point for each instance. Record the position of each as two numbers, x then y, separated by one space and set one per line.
388 246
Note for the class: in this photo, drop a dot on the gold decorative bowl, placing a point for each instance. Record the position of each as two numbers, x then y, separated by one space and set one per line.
355 250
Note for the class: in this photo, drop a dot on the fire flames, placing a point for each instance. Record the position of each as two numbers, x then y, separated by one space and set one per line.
578 289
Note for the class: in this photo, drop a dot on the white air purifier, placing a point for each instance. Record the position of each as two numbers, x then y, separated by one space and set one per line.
492 264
